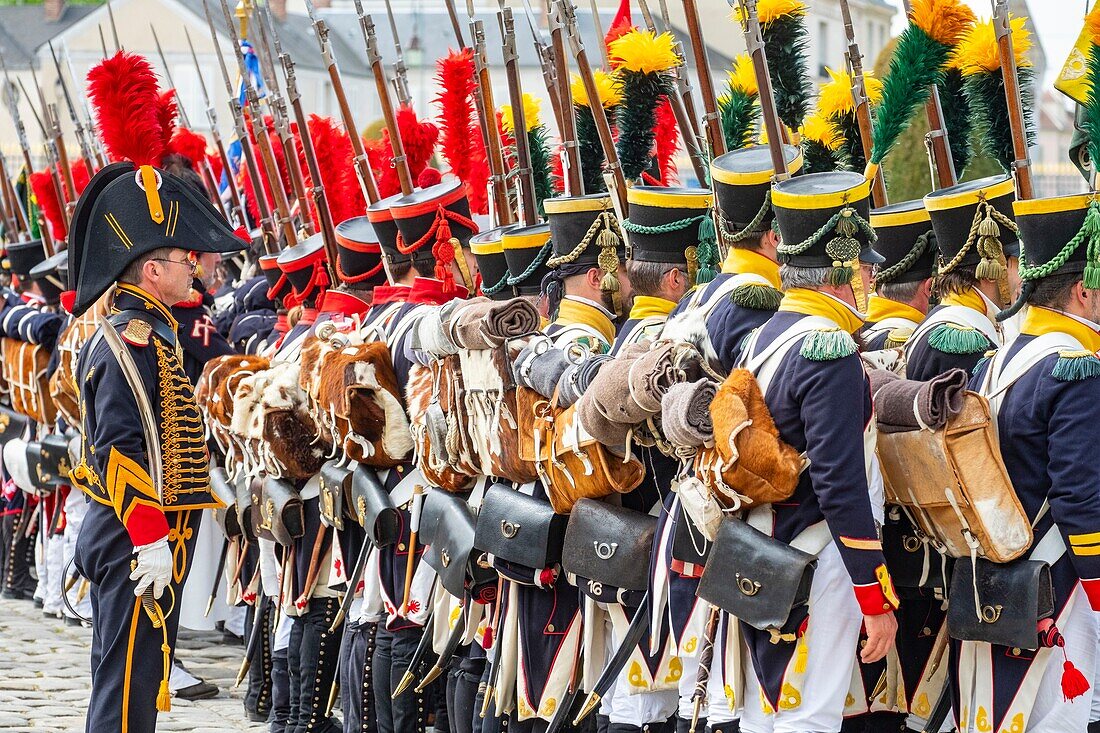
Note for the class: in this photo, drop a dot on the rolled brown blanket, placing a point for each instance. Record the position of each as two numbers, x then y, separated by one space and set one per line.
685 413
606 432
651 376
465 325
903 405
509 320
610 393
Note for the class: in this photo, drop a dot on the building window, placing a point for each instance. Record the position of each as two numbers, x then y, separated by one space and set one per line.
822 48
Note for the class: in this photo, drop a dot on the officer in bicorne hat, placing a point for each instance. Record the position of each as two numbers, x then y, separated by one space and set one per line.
144 458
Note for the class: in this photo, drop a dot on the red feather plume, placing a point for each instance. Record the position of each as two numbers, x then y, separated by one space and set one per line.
81 175
46 195
418 138
460 135
125 94
667 142
280 164
189 144
621 24
335 161
167 110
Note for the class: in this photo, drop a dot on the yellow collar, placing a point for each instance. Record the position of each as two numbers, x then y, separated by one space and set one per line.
572 311
746 262
1039 321
646 306
879 309
151 302
813 303
972 298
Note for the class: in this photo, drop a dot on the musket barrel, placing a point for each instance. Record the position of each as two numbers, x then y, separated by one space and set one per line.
861 102
519 123
1021 166
754 42
486 110
715 137
397 146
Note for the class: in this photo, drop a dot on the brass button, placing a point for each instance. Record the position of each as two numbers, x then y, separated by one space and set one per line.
550 628
926 631
1015 651
401 546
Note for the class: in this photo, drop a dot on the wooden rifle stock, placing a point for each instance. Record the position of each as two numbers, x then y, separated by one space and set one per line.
522 168
715 138
374 58
861 102
599 114
938 142
754 42
486 112
1021 166
574 180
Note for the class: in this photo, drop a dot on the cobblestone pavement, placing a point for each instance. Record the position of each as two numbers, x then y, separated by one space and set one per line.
44 678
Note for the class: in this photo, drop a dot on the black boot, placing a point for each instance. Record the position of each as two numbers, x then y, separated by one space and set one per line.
19 582
280 693
257 700
320 655
683 725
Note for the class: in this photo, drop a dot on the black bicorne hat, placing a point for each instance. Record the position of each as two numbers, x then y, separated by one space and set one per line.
52 276
304 266
359 256
973 225
488 250
434 223
23 256
673 226
126 212
527 250
905 241
823 222
582 220
742 186
385 228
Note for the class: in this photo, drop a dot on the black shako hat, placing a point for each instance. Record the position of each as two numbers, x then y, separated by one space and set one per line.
359 255
433 225
488 250
974 226
527 250
127 211
905 241
52 276
581 227
673 226
742 190
23 256
304 267
823 222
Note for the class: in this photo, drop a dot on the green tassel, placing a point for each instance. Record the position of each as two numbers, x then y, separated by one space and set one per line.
707 251
756 296
982 362
828 344
1092 276
841 275
1073 366
952 339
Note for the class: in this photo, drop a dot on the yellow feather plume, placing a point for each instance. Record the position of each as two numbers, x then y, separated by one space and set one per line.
835 97
944 21
643 52
1092 23
605 86
769 10
743 75
818 129
531 107
977 51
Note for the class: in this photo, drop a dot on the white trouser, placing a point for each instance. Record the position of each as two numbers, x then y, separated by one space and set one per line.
635 709
718 704
55 567
688 677
202 578
833 629
76 507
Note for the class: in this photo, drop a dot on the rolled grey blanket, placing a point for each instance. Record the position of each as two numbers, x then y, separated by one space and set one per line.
610 393
651 376
607 432
466 323
541 372
509 320
685 413
905 404
578 378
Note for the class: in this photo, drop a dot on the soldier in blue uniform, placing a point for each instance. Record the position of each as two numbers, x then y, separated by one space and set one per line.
1043 387
144 459
813 381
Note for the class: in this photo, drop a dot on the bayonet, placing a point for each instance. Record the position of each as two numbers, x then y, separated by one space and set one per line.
546 63
61 173
362 163
78 125
102 40
12 103
114 28
453 15
400 73
567 122
600 35
486 111
89 126
236 207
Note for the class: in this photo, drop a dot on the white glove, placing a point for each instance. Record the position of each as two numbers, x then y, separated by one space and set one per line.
154 567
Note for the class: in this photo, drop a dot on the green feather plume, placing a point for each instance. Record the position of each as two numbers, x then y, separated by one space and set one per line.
818 158
636 116
917 64
957 118
1091 121
740 114
591 151
989 108
785 45
538 140
851 144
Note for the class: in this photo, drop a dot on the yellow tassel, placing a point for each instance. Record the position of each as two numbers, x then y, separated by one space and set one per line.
164 698
801 654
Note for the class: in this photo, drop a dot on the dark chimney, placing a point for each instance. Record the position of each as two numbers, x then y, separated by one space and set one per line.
53 9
